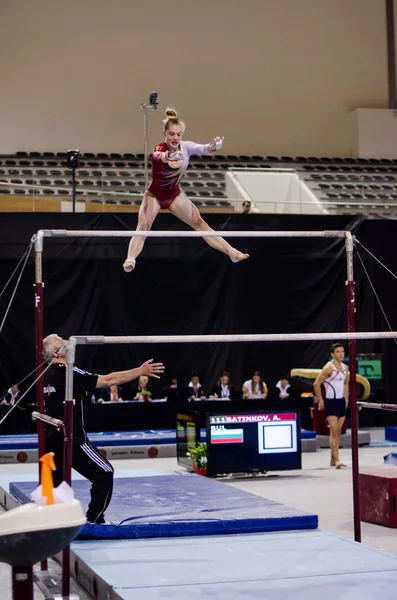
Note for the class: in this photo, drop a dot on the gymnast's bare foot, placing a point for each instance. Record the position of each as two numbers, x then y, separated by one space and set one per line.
339 465
129 265
237 256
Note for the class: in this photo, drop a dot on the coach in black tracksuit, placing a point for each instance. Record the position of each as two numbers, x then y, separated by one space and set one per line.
87 459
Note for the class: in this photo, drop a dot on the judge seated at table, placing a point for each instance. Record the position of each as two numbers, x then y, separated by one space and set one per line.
196 390
255 387
142 392
111 394
223 389
283 387
12 395
172 386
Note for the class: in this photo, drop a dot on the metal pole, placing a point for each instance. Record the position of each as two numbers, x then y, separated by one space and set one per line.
38 301
73 189
391 54
145 147
68 451
353 388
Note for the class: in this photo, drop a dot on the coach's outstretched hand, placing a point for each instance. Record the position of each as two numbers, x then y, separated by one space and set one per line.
150 369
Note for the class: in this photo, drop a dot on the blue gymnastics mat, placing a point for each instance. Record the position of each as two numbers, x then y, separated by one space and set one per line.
298 565
391 433
105 438
113 438
181 505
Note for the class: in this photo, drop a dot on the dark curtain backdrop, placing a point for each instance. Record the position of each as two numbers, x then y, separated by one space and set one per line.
182 286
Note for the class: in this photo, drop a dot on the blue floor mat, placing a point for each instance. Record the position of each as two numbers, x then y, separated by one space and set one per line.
382 444
181 505
106 438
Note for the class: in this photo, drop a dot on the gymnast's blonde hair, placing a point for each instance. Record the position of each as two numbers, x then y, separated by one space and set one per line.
171 118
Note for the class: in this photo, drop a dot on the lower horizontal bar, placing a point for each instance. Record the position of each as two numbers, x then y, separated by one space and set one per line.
47 419
376 405
238 337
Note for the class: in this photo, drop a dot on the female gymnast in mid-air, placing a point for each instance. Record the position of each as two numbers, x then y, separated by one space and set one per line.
169 161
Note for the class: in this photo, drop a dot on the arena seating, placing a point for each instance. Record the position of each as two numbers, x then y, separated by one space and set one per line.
119 176
342 184
348 185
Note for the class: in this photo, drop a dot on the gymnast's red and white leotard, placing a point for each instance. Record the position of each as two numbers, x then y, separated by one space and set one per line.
166 176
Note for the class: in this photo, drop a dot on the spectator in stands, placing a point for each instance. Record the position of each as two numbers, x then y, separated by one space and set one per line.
87 459
283 386
223 388
246 208
169 160
12 395
255 387
196 390
113 393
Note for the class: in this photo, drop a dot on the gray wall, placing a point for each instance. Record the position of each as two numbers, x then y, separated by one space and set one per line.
272 76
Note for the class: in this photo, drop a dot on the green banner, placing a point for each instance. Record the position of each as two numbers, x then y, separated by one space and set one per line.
370 368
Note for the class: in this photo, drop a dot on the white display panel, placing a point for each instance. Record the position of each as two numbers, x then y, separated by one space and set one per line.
274 437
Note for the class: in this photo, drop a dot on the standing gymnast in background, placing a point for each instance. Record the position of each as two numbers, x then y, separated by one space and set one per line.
335 378
169 161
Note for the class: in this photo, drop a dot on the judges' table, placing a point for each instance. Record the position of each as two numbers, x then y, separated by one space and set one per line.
123 416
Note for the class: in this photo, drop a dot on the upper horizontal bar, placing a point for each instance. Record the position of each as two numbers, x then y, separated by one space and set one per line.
61 233
238 337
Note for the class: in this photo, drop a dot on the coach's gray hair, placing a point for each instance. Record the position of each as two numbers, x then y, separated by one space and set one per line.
48 346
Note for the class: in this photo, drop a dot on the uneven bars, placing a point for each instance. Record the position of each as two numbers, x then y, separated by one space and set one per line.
238 337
